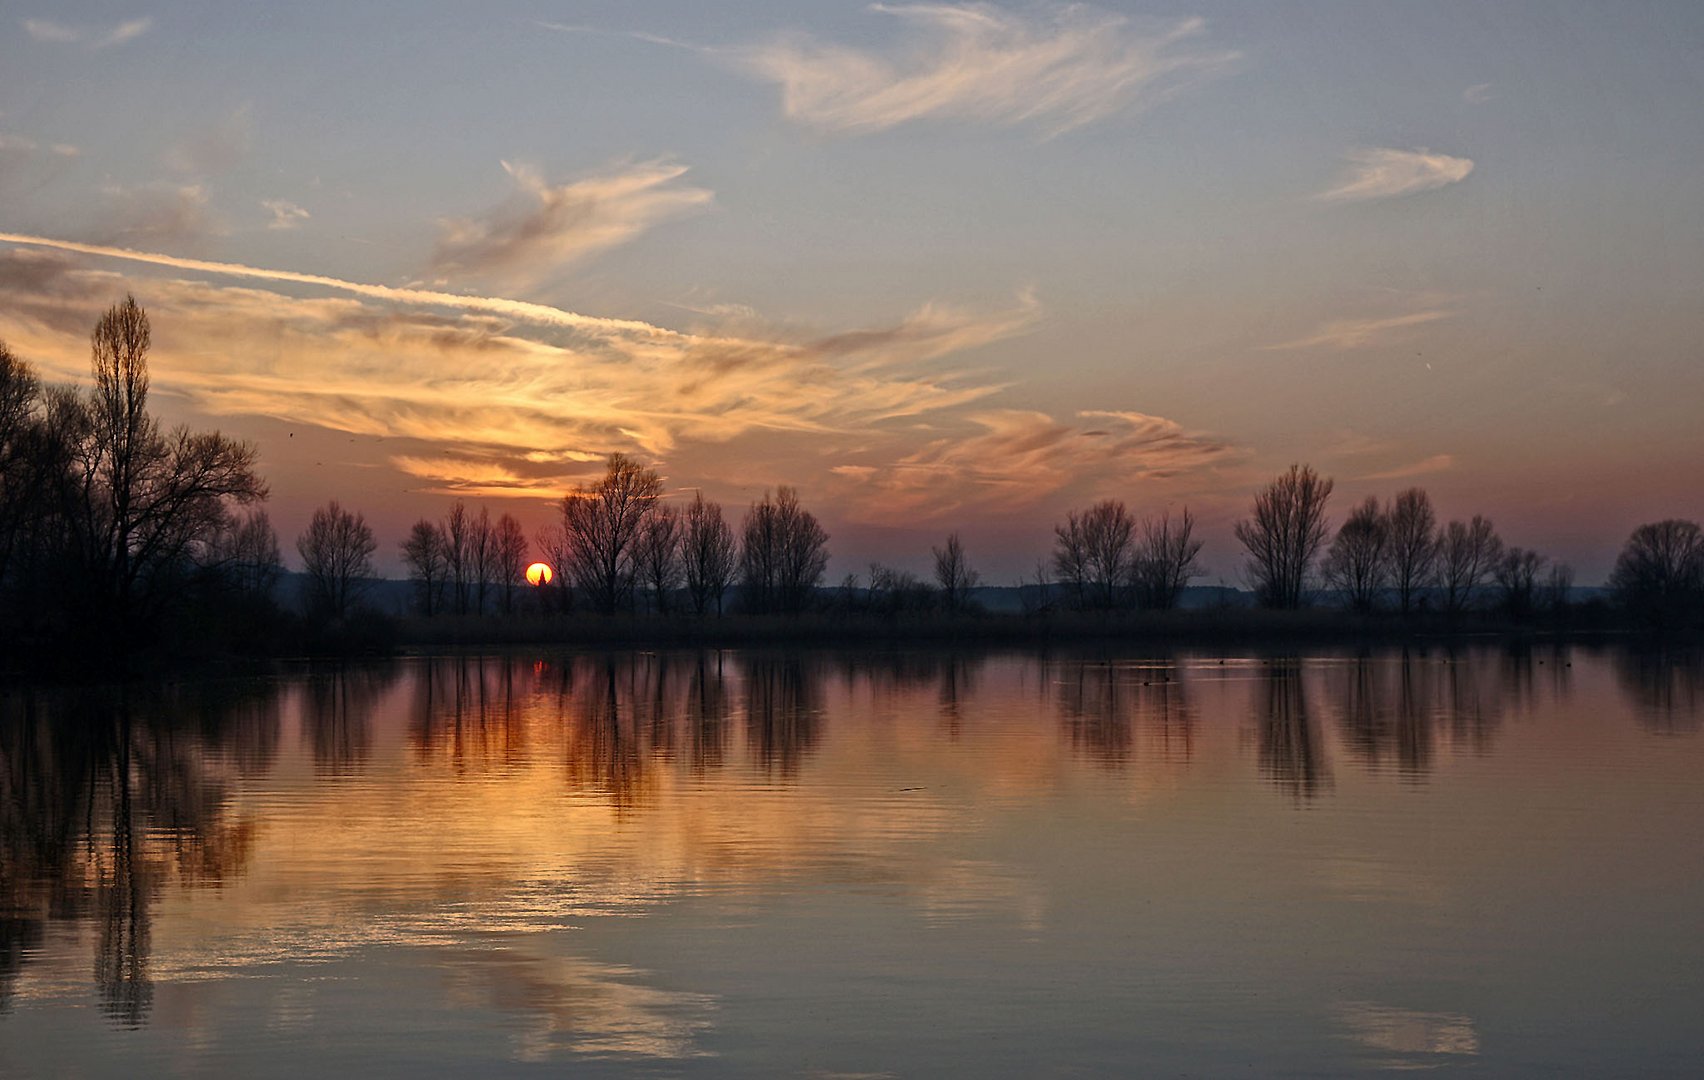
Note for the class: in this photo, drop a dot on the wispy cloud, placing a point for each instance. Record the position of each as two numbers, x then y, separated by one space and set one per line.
285 214
524 392
547 226
1360 333
1435 464
1061 68
1018 457
1383 173
1477 94
95 37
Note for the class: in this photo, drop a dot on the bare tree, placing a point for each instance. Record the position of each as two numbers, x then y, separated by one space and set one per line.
1284 534
1357 564
509 559
783 554
424 555
658 554
458 557
482 554
337 554
1516 574
602 523
954 574
1167 558
245 555
553 544
709 554
19 488
148 500
1413 545
1097 551
1466 555
1659 575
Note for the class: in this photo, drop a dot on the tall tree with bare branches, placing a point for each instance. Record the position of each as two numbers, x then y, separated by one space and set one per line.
601 523
1357 564
1467 552
658 554
1167 558
1284 534
708 553
337 554
1413 529
954 574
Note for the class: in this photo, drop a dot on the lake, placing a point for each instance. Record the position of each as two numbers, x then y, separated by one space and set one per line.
863 864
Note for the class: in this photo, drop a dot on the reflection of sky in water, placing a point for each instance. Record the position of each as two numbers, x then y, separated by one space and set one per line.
736 863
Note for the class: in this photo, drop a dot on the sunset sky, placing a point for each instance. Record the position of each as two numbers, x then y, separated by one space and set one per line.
937 265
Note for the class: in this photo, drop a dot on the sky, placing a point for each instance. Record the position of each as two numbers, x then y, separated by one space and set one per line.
938 266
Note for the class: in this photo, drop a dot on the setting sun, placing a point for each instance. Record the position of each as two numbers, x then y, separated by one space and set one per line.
539 574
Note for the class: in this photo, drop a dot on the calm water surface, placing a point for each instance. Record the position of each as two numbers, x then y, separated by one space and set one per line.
863 864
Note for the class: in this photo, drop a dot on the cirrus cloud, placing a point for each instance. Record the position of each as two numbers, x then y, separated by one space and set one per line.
1384 173
1062 69
546 226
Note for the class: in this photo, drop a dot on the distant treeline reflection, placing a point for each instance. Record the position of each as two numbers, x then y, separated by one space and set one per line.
107 798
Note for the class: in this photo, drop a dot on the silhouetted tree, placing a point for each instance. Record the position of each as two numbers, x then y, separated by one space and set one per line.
19 390
953 573
602 524
1467 553
482 553
424 556
337 555
708 553
658 554
458 557
553 545
1413 545
509 558
1358 561
244 554
1659 575
1284 534
1095 553
1166 560
1557 586
783 554
133 509
1516 574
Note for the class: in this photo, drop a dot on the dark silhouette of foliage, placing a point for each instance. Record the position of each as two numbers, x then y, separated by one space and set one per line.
337 554
708 554
657 556
1357 564
1413 544
1167 558
423 553
1283 535
1467 553
954 575
783 554
1659 575
1094 554
602 524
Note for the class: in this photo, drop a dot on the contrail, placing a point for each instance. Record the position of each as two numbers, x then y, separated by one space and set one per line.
540 314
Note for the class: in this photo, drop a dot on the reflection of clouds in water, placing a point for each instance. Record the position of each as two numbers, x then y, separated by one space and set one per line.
965 889
577 1006
1405 1031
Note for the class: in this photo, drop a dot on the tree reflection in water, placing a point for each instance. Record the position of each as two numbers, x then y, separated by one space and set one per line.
1106 706
1292 755
105 798
1666 686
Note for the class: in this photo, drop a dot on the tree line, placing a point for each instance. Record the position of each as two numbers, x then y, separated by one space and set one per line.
115 530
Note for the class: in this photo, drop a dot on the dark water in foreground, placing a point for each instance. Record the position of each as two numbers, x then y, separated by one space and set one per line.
864 864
